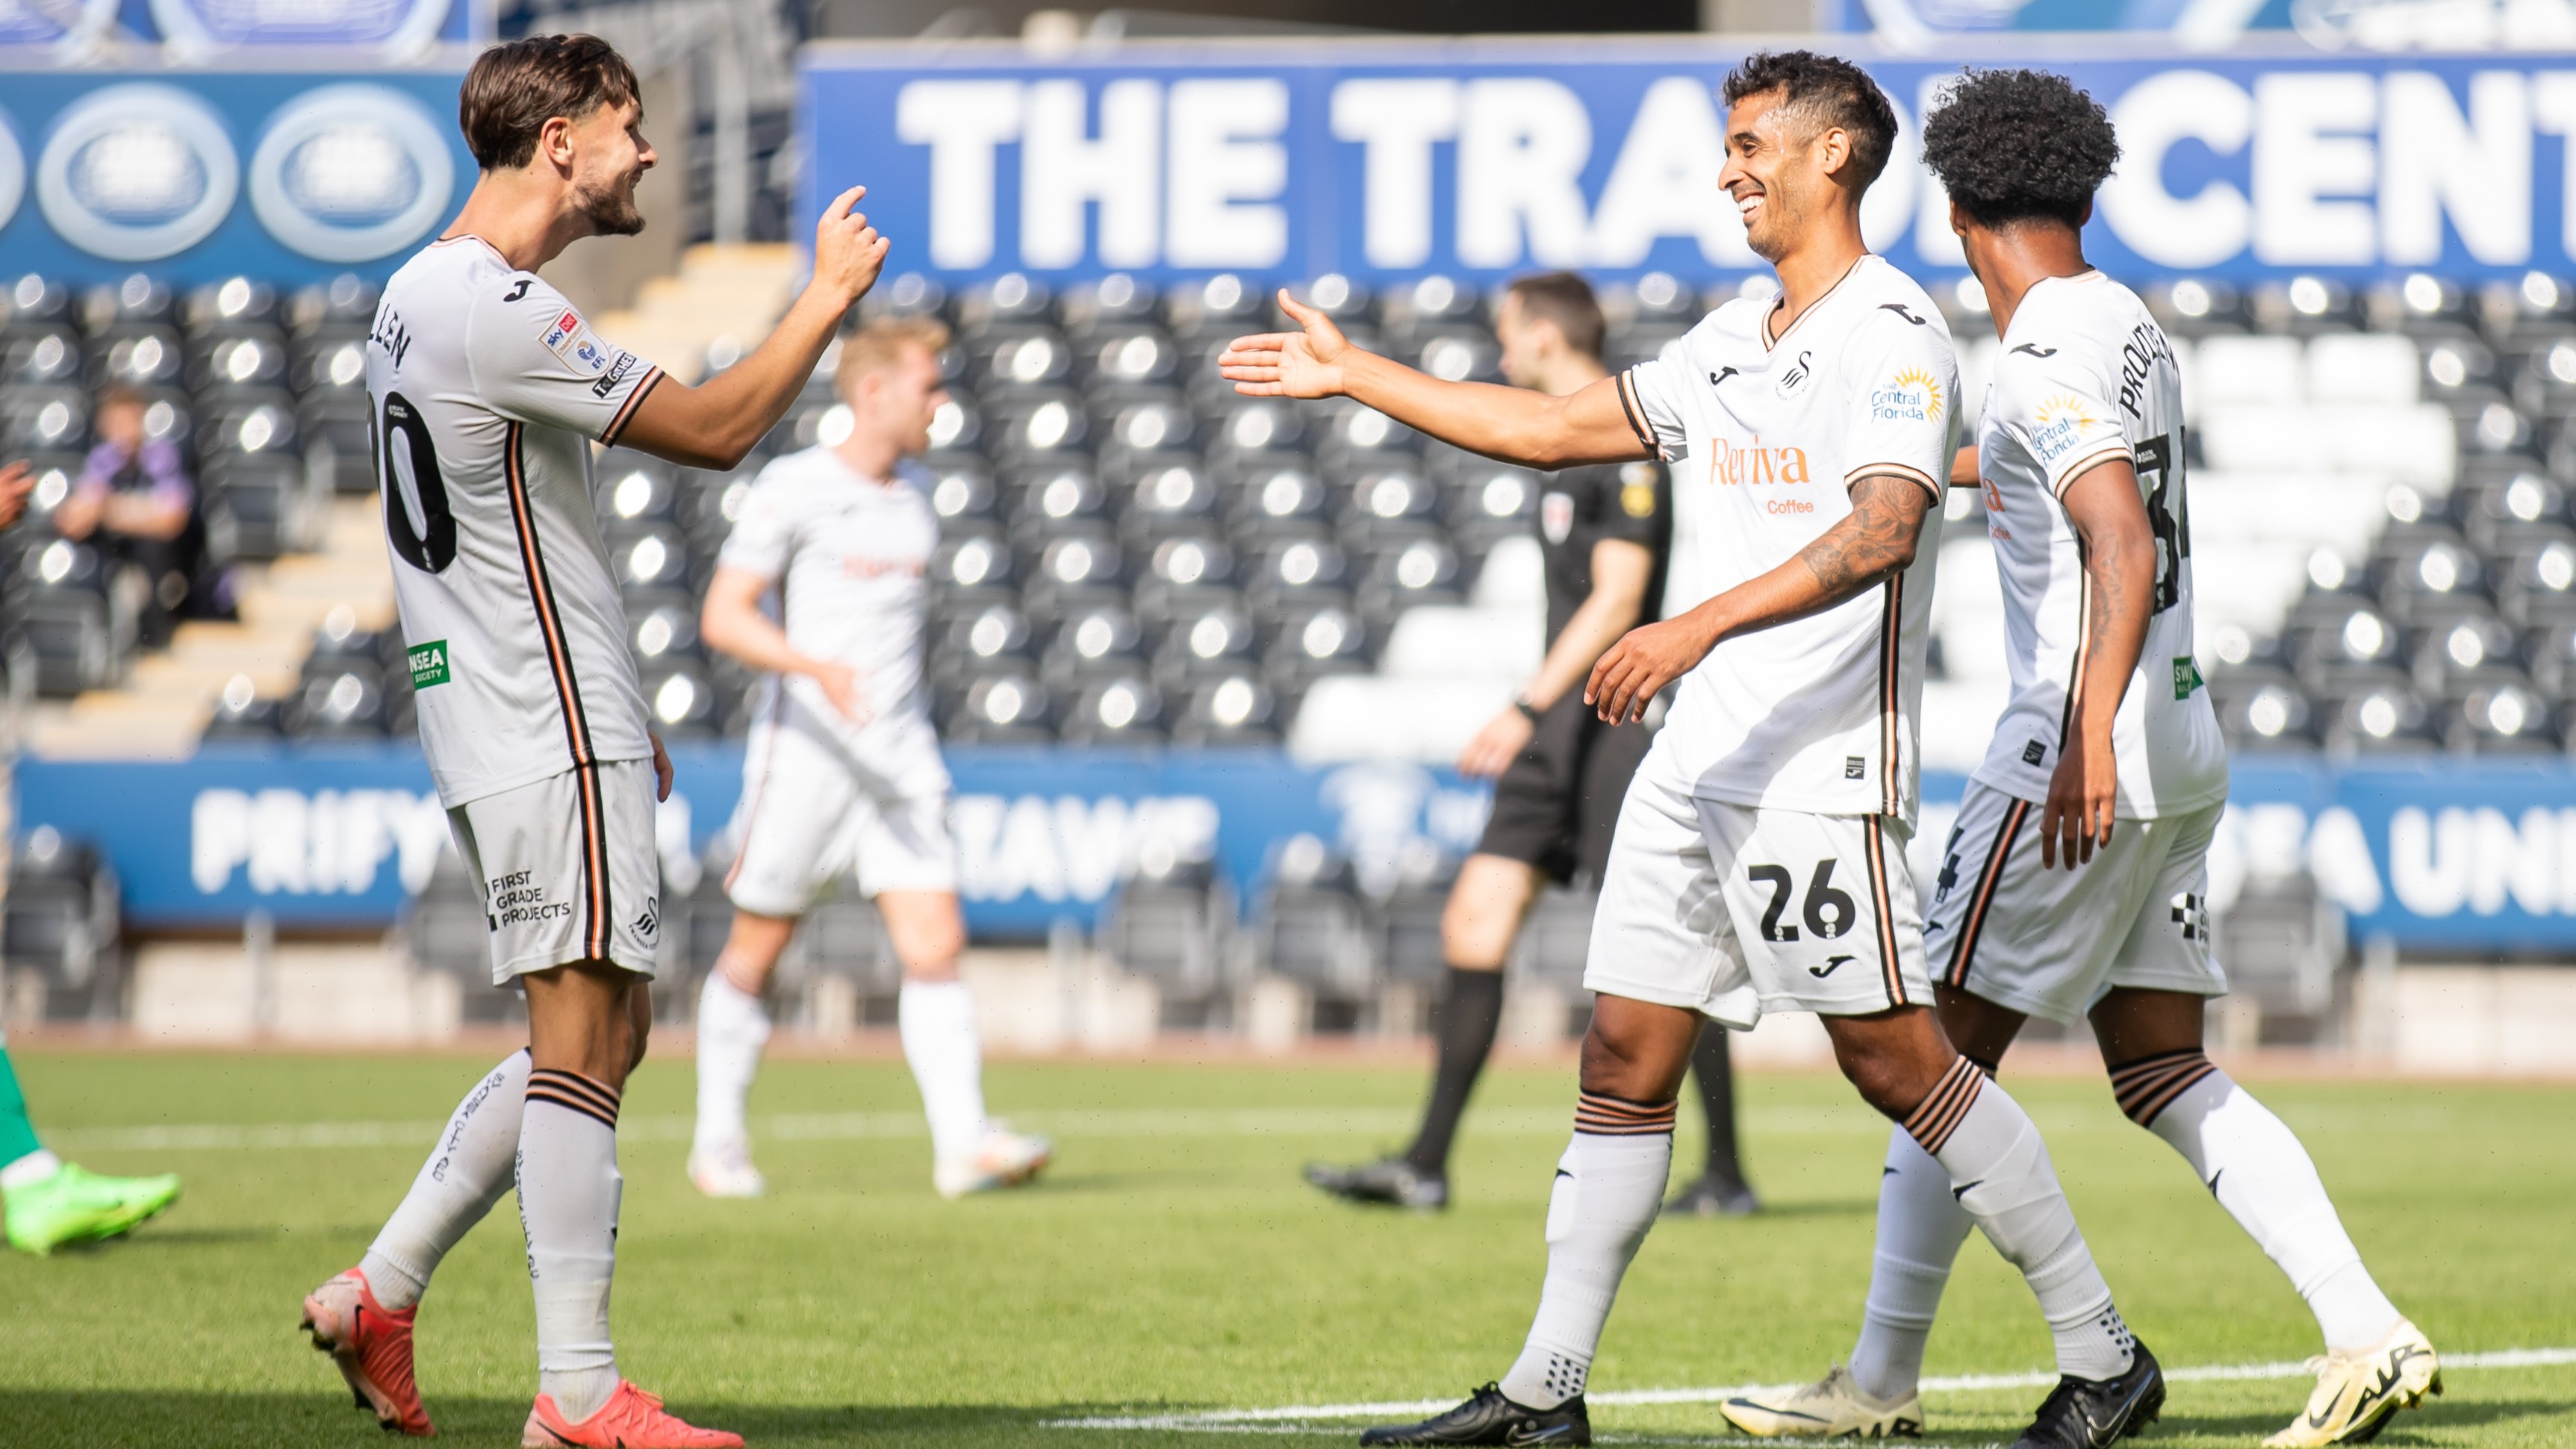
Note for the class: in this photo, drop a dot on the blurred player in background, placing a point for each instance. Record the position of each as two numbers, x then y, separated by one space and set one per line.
842 774
489 389
2101 911
1815 431
49 1202
1559 771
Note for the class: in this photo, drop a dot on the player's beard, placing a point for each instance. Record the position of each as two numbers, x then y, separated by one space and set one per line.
610 209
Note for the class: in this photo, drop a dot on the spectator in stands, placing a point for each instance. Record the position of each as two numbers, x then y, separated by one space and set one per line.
135 499
17 480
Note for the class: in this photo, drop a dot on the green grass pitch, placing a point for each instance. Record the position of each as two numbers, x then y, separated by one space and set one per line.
1172 1262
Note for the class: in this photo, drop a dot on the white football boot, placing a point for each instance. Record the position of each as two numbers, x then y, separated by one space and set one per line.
726 1172
2357 1393
1003 1159
1829 1408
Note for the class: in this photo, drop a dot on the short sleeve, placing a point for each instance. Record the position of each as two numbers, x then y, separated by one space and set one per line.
765 534
537 361
1904 402
2061 410
1632 503
1651 394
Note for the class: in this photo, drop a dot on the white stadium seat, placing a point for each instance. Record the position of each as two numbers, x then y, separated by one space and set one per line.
1514 576
2412 444
2236 370
1368 717
2355 367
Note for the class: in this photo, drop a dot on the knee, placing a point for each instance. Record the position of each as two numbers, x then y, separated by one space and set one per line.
1881 1082
1612 1066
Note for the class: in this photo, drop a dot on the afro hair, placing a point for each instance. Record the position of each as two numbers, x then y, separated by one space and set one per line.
1829 90
2019 145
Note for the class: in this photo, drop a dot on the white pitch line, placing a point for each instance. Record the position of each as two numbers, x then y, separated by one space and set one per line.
1295 1418
849 1126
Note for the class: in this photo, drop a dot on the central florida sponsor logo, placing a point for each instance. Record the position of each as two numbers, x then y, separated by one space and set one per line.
2062 422
1911 396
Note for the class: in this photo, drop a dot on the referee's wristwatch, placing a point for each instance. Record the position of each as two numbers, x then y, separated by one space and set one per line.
1528 710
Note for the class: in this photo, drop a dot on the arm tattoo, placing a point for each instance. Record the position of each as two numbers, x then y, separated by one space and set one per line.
1876 539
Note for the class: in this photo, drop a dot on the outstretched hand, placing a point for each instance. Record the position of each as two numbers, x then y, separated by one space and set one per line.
1289 364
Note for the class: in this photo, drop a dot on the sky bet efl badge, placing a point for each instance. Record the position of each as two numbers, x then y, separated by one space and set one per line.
580 349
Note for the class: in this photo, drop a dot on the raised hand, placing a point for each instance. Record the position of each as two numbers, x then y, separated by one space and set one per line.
848 253
1289 364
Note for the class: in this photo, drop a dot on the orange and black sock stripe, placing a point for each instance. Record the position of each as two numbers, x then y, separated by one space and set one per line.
1945 1106
1603 1115
2148 1085
594 1099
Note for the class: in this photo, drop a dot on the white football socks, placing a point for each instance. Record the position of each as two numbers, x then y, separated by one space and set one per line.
1920 1230
2000 1173
465 1175
2256 1168
1609 1186
568 1195
937 1022
29 1170
732 1028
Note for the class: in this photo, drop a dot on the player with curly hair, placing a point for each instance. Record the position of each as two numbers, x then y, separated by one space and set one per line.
2100 912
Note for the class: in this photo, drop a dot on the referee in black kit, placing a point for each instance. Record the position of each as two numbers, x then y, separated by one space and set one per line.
1606 531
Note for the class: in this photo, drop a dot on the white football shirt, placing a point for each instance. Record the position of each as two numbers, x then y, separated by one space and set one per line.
852 557
487 387
1765 437
2085 375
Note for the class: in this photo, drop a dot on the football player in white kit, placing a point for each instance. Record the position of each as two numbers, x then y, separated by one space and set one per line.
489 390
2098 908
842 774
1759 861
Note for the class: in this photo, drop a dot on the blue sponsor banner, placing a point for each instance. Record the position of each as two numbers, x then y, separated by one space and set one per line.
1481 159
287 176
339 836
2441 856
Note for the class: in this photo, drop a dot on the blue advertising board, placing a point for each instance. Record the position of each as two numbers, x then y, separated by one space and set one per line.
200 30
1484 158
2438 855
195 175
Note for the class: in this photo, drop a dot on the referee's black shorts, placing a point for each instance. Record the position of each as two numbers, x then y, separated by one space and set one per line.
1557 804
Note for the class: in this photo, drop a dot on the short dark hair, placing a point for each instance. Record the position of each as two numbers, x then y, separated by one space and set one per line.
2019 145
516 87
1566 300
1833 91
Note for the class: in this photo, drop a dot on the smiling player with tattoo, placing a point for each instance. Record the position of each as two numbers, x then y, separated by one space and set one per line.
1759 860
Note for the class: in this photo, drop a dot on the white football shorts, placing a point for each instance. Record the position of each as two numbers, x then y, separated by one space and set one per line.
569 869
1733 910
812 810
2051 943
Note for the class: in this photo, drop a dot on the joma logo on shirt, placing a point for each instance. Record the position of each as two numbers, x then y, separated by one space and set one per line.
1757 464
